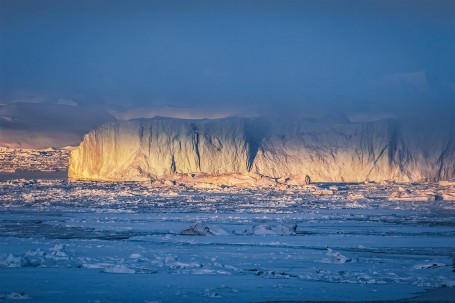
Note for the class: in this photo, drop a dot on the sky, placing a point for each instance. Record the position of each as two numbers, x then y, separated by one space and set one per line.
219 58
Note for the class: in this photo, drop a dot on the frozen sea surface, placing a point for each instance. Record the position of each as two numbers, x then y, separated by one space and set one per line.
129 242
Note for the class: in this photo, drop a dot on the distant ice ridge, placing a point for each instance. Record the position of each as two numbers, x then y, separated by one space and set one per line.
44 160
326 150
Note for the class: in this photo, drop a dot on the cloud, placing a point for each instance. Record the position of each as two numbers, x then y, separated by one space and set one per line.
66 101
42 125
196 112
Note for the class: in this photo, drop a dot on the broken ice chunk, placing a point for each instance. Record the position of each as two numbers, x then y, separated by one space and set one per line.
197 229
335 257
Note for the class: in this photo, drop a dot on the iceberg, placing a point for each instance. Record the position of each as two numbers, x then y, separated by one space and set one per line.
285 148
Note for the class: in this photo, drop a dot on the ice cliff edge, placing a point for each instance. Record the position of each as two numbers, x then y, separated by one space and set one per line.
328 151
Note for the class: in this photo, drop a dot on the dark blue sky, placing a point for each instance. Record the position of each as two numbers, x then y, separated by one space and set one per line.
273 55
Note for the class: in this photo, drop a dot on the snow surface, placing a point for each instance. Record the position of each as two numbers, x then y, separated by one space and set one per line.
132 242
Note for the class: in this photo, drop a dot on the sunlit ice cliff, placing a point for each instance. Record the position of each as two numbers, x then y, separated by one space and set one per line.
327 150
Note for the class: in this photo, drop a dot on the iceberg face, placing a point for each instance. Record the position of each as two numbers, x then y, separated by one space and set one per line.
324 150
148 148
